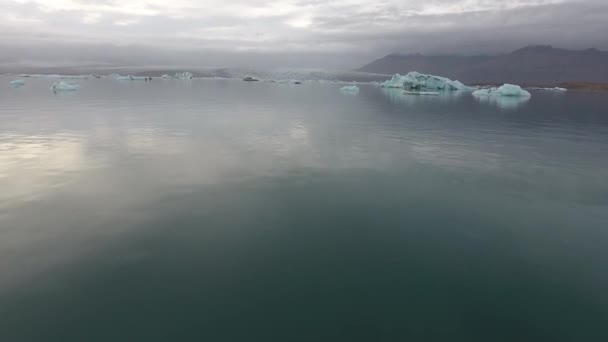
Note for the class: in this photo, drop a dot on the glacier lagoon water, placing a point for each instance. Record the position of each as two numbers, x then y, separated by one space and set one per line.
223 210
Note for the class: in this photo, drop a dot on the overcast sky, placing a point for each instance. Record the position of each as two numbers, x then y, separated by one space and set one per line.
289 32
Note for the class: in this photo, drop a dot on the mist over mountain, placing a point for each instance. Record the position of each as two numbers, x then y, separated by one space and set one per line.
532 64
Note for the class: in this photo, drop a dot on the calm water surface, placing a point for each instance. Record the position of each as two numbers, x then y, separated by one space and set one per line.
218 210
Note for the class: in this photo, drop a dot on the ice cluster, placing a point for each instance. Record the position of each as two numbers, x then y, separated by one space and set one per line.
557 89
184 75
131 78
417 81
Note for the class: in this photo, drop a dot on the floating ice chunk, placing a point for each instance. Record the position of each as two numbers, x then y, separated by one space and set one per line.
484 92
417 81
68 77
508 96
350 89
184 75
64 86
551 89
132 78
289 81
165 76
17 83
408 92
512 90
250 79
504 90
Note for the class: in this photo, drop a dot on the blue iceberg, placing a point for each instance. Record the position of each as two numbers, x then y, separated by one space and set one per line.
418 81
17 83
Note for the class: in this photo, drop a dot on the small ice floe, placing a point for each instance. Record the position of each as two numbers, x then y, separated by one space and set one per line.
556 89
250 79
132 78
17 83
350 90
64 86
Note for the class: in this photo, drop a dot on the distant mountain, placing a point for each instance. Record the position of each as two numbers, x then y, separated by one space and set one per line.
530 65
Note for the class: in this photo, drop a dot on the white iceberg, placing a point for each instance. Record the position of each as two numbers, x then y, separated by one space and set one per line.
17 83
417 81
165 76
509 90
508 96
64 86
184 75
350 89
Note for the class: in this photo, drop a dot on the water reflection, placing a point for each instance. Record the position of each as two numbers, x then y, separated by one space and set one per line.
179 196
397 96
29 165
503 102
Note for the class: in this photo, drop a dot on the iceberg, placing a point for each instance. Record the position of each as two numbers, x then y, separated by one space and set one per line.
250 79
509 90
508 96
165 76
64 86
417 81
350 89
184 75
17 83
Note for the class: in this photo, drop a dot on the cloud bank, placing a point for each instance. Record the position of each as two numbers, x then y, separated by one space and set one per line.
290 32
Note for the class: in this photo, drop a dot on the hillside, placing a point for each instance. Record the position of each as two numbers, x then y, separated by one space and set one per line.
529 65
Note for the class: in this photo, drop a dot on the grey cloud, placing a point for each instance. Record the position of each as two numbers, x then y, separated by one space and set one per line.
339 34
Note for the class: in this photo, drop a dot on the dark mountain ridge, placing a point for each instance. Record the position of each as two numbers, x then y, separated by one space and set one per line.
530 65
